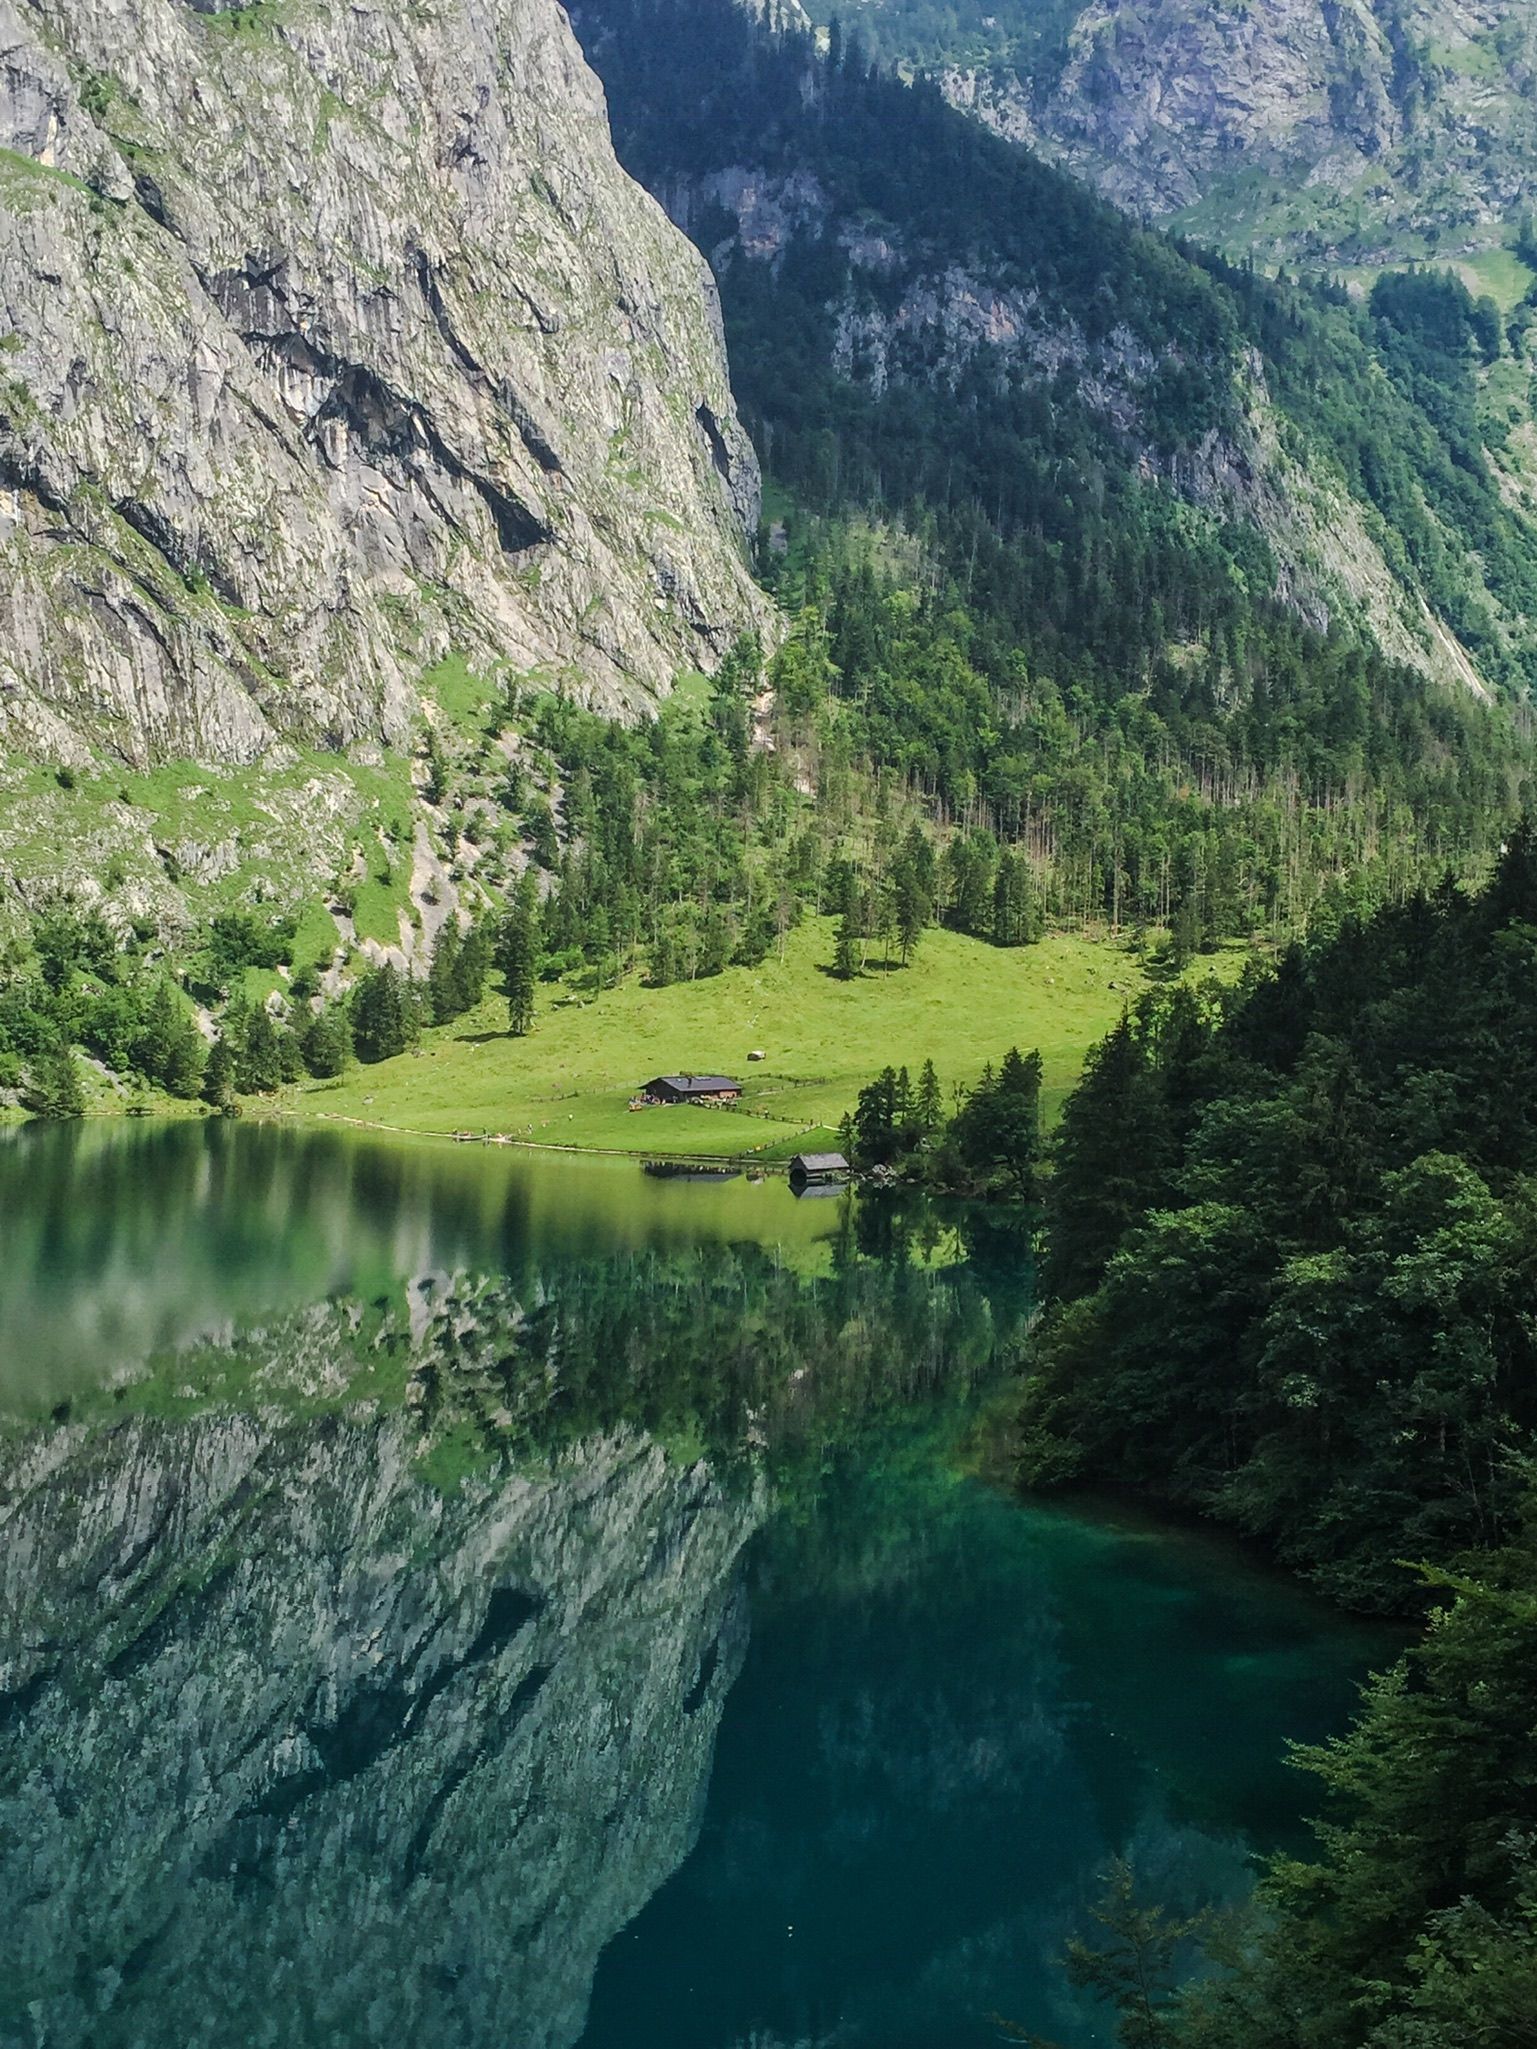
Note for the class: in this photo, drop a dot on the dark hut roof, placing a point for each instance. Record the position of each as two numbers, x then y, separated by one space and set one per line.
819 1163
695 1084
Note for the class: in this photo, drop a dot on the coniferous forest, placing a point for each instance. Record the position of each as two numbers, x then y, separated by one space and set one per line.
1036 614
1291 1257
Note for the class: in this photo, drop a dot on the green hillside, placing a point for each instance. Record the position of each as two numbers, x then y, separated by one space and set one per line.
1188 558
959 1002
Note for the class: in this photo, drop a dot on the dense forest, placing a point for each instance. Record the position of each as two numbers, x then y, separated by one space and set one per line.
1292 1253
1040 615
1292 1244
673 849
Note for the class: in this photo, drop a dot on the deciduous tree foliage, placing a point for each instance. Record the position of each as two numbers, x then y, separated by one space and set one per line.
1293 1244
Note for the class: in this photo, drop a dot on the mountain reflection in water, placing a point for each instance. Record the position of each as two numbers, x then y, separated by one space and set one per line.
494 1601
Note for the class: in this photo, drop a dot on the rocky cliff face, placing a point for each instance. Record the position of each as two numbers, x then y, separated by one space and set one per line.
295 1750
332 336
907 315
1346 129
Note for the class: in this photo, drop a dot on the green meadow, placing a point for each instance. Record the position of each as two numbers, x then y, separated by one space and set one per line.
569 1082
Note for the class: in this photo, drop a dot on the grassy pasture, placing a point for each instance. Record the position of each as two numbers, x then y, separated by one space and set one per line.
569 1082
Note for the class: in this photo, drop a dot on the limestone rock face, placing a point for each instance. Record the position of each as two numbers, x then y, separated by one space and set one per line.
296 1750
332 336
1379 120
909 316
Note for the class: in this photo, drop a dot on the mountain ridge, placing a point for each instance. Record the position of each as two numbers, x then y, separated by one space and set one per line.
1344 132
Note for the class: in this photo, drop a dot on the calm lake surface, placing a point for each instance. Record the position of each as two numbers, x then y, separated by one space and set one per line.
456 1597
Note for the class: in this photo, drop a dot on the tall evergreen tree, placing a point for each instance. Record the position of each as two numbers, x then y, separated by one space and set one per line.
443 974
53 1090
928 1104
846 949
1111 1151
474 964
218 1089
517 956
384 1015
327 1042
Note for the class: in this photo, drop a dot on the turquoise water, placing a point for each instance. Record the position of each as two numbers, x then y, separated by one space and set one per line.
953 1711
456 1597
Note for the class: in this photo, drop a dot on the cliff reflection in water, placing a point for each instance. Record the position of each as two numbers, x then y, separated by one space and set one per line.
369 1602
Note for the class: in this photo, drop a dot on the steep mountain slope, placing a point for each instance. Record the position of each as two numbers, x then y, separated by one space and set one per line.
1301 129
333 338
965 323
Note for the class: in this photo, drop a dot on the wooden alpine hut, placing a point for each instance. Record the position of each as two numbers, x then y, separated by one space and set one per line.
691 1088
808 1169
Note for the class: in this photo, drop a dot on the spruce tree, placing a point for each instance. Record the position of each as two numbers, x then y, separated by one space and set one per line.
928 1103
1005 903
384 1019
168 1047
443 982
1111 1151
54 1090
846 950
259 1067
219 1078
326 1042
517 956
1016 1120
473 966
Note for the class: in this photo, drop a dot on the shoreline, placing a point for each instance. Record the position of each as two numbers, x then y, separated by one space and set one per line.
535 1145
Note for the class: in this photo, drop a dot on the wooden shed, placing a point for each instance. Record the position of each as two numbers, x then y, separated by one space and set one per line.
807 1168
691 1088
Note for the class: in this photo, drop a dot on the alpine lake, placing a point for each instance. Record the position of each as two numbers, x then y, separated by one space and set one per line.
468 1599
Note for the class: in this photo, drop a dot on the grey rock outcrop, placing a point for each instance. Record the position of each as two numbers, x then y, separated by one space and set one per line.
296 1750
332 336
1341 129
908 315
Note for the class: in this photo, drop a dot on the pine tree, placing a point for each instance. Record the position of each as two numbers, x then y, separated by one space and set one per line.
259 1067
928 1103
539 823
437 769
1005 902
219 1078
473 966
715 941
168 1048
1111 1151
327 1042
53 1089
997 1131
1016 1120
846 950
443 974
384 1016
181 1071
1016 910
969 868
876 1128
1513 892
517 956
912 908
